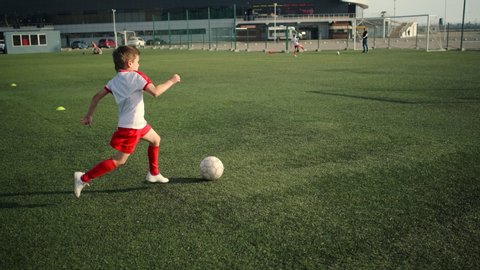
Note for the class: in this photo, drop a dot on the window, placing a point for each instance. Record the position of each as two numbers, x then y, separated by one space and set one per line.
43 39
25 40
29 40
16 40
34 39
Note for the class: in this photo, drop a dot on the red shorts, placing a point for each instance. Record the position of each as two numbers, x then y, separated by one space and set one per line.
126 139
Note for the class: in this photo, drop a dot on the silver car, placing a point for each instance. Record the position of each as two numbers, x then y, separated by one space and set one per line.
137 42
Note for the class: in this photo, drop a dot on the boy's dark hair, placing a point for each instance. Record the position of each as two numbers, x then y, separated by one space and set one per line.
122 55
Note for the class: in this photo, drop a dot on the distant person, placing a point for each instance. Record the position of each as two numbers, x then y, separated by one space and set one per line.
96 49
365 41
127 87
296 45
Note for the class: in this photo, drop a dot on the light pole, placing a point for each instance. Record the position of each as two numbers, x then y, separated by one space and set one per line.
394 15
445 16
463 24
445 33
394 8
114 28
275 21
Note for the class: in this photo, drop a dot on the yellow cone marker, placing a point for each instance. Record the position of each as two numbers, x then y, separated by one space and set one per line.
61 108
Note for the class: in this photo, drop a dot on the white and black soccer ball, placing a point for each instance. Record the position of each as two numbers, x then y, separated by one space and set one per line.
211 168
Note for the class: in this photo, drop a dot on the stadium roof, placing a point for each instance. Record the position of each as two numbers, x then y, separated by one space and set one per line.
45 6
362 3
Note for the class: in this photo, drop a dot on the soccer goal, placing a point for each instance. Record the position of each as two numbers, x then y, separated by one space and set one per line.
421 32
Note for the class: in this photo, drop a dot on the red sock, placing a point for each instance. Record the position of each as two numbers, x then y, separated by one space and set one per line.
153 159
100 169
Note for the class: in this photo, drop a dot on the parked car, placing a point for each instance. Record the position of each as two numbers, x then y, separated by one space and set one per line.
106 43
157 41
136 41
2 46
79 45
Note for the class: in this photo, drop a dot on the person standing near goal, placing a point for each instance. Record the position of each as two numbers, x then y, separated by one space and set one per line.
127 87
365 40
296 45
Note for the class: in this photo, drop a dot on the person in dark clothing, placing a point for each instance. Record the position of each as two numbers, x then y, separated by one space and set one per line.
365 40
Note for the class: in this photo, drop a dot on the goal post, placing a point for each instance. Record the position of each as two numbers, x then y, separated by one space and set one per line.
435 36
421 32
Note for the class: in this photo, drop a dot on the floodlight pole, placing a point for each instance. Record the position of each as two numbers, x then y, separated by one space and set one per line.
169 32
445 15
394 15
428 32
234 27
394 8
275 22
188 30
445 24
114 28
463 23
153 27
209 31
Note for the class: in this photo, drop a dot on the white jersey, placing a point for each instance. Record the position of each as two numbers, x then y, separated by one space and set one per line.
295 41
127 87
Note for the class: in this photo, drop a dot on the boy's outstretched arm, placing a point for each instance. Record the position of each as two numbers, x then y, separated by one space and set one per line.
159 89
88 118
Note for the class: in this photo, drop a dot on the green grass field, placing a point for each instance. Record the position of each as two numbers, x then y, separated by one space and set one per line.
347 161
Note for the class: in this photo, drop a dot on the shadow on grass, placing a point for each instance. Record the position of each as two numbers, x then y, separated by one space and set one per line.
399 101
174 181
179 180
10 205
33 193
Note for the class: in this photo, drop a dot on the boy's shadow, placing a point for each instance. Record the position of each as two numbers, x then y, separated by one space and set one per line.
173 180
14 205
184 180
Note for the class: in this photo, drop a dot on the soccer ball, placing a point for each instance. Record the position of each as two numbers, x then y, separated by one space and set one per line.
211 168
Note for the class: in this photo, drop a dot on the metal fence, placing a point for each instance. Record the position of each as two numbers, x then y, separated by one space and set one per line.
321 32
420 32
224 39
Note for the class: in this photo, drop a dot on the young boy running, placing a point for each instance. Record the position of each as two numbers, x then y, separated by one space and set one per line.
127 88
296 45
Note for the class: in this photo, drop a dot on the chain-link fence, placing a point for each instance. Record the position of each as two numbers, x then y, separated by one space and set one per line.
224 29
420 32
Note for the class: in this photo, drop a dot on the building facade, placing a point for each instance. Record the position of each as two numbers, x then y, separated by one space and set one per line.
183 22
21 42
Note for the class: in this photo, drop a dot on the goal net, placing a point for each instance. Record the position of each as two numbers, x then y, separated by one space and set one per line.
422 32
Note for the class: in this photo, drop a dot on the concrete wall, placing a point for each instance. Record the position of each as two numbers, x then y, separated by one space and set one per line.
41 41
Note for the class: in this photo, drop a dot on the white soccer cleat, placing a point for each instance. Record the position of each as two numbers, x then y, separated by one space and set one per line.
156 178
78 184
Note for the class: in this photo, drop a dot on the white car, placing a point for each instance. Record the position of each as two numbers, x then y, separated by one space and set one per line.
2 46
136 41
